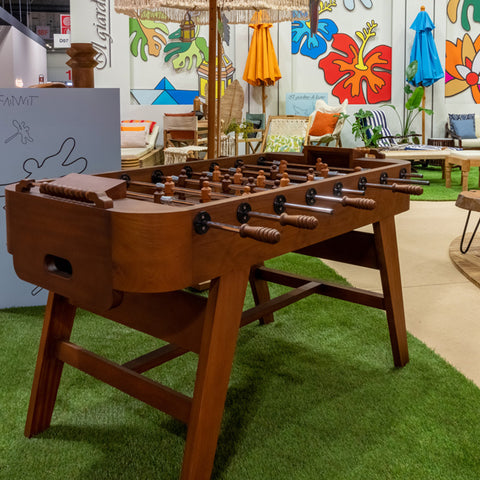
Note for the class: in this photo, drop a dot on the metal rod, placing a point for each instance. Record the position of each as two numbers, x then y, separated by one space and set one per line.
328 211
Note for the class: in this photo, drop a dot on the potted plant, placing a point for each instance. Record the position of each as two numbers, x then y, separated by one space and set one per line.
361 130
412 105
245 128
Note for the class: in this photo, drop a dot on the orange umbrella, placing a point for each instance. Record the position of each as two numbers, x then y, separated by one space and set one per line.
261 68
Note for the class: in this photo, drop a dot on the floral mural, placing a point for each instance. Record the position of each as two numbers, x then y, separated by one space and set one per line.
358 75
147 38
350 4
312 45
452 12
462 67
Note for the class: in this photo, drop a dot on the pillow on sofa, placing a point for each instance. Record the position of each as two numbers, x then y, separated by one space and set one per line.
132 138
148 123
463 124
323 124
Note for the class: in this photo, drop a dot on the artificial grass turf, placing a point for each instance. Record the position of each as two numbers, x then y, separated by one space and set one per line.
312 396
437 190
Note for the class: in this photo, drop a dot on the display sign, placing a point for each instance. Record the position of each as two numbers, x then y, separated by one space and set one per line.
303 103
61 40
65 27
43 31
41 140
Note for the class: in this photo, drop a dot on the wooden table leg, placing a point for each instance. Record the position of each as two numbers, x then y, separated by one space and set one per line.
59 315
219 338
261 293
448 174
465 172
387 251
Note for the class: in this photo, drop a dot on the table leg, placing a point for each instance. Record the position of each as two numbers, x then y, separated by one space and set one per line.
219 338
465 172
387 251
448 174
58 323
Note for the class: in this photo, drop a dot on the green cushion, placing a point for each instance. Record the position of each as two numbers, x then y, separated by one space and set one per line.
284 143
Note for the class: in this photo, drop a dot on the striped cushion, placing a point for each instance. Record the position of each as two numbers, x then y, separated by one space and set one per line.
378 118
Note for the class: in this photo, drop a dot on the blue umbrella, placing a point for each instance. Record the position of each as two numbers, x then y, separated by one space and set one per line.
425 52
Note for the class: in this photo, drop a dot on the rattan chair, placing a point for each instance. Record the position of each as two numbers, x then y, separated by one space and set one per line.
285 133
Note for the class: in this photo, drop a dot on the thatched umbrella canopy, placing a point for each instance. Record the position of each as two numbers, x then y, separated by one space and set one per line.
236 11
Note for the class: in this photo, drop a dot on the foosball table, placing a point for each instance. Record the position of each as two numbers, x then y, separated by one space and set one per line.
127 245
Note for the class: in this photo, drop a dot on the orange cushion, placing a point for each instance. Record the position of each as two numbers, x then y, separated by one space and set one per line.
323 124
149 123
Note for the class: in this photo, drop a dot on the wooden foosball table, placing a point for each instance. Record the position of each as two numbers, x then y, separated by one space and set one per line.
126 245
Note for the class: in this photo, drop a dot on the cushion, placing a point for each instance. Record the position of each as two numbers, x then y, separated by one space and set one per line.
462 124
132 138
149 123
284 143
323 124
378 118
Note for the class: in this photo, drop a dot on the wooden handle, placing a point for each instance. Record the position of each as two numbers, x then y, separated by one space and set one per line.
100 199
262 234
410 189
362 203
299 221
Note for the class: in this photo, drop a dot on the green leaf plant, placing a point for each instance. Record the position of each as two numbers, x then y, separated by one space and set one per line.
360 128
412 105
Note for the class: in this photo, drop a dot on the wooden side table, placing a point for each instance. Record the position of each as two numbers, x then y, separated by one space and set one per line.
466 160
468 200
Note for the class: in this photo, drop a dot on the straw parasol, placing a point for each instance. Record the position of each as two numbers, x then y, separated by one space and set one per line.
236 11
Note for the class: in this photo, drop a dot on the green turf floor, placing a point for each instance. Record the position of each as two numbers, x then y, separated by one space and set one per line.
437 190
312 396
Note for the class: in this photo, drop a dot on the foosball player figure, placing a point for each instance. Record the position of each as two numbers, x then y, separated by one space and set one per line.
310 175
169 187
284 181
261 179
226 183
273 172
205 194
216 174
238 177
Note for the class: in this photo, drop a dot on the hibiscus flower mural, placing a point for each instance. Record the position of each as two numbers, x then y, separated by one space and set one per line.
462 67
359 75
312 45
313 42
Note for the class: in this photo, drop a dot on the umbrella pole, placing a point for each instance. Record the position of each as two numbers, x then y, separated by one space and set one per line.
423 117
212 48
263 98
219 88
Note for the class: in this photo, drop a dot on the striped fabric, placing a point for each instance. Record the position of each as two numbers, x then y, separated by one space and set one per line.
378 118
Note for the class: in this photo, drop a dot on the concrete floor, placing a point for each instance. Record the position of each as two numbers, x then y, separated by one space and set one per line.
442 307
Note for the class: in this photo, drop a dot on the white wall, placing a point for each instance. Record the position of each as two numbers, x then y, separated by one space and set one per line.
7 73
57 67
299 73
20 58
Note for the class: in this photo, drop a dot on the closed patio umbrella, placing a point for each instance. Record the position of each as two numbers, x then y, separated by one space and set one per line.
262 67
425 52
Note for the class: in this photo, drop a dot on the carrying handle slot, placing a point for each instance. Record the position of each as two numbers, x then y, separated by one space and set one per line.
58 266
